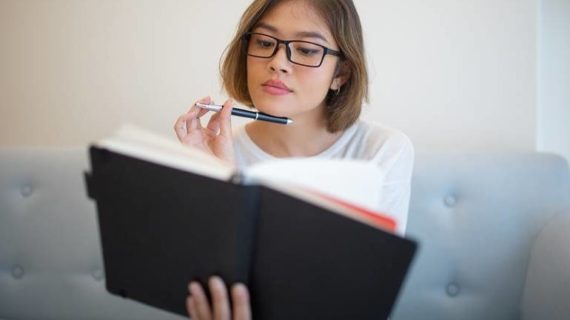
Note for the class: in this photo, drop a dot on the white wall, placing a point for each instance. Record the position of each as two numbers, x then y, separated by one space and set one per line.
453 75
74 70
554 75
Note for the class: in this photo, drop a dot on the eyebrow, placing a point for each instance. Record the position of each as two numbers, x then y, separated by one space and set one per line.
300 34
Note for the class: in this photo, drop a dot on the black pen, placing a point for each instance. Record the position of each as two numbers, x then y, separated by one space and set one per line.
255 115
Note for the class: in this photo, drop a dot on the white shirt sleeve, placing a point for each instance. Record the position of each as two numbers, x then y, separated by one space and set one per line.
396 158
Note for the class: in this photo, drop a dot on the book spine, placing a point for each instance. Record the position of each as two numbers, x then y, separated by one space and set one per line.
248 230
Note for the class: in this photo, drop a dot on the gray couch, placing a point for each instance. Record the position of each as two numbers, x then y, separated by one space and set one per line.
493 230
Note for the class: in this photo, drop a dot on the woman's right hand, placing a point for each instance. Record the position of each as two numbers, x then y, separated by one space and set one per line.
199 308
215 138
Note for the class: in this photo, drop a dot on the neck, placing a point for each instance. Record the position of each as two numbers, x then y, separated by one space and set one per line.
304 138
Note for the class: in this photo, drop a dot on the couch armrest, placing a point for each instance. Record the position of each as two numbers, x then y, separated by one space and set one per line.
547 289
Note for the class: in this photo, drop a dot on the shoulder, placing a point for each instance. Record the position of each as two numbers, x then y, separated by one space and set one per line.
388 147
381 141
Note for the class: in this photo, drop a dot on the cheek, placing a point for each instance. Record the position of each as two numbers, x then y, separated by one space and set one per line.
254 71
317 80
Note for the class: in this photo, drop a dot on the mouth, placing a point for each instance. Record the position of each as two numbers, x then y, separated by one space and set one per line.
276 87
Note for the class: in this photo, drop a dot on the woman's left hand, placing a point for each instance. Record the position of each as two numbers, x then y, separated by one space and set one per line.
199 308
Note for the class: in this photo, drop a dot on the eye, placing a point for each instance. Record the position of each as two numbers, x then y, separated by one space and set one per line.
308 50
264 44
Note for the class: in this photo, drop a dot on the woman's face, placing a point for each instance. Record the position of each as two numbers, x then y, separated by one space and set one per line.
276 85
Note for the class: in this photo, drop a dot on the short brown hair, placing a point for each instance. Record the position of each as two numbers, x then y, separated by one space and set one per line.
343 107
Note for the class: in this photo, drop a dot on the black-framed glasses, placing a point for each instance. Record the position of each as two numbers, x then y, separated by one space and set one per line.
299 52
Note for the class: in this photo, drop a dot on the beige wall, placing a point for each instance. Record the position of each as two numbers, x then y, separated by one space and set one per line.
453 75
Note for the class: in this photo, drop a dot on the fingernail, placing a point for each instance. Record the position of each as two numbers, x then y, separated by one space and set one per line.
193 287
216 282
240 287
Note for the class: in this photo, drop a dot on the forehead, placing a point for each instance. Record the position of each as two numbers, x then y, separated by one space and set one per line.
293 19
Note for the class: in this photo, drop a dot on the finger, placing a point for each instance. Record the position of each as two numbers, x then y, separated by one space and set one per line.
190 121
201 305
193 122
201 112
219 298
185 117
225 121
195 113
214 123
191 308
180 127
240 297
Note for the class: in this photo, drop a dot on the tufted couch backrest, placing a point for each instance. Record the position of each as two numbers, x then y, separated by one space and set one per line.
50 260
476 217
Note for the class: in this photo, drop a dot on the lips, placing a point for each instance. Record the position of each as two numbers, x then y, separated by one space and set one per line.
276 85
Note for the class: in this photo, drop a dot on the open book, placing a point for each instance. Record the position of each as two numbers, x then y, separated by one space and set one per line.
302 234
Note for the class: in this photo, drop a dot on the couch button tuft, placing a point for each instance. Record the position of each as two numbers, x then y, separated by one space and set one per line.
97 274
26 190
450 200
17 272
452 289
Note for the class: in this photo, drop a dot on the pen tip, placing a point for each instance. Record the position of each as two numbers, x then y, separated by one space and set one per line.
289 121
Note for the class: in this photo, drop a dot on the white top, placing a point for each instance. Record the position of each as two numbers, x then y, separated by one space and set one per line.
389 148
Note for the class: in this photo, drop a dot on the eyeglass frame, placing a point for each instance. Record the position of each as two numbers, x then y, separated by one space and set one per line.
247 36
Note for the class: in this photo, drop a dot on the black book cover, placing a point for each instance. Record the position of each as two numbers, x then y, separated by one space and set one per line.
311 264
162 227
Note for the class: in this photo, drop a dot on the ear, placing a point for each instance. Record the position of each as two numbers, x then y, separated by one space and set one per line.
342 74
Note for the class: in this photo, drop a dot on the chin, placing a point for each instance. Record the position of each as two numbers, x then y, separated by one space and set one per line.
279 106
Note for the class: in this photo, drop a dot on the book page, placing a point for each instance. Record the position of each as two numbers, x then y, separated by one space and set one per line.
359 182
137 142
349 187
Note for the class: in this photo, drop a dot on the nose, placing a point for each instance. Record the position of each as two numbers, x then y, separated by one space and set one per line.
280 61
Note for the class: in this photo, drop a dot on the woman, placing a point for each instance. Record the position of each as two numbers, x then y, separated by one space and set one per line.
303 60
